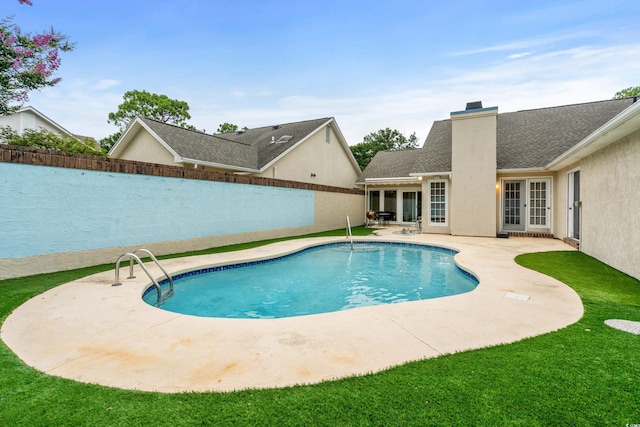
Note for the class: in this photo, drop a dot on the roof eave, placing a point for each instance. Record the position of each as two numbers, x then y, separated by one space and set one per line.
621 125
219 165
429 174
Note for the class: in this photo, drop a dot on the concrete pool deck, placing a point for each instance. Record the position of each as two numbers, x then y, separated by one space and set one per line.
90 331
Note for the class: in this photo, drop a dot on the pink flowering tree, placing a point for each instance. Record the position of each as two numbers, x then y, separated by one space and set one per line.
27 62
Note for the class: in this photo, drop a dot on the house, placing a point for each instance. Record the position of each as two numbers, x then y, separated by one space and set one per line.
312 151
30 118
570 172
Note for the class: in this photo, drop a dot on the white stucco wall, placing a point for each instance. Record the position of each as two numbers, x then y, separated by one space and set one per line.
473 173
64 218
329 162
12 120
610 192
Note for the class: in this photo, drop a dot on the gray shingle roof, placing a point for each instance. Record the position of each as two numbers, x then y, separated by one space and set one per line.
207 148
390 164
533 138
525 139
260 138
251 149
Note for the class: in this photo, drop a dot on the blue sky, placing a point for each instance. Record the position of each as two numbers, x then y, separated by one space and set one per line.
370 64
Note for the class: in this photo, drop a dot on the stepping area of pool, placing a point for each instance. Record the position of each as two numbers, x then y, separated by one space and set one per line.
90 331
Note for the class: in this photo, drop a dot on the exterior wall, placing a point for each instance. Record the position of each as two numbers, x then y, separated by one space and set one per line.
12 120
42 124
611 204
316 161
85 213
145 146
473 173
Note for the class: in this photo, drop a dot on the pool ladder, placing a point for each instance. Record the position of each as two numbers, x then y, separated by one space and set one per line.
162 296
349 235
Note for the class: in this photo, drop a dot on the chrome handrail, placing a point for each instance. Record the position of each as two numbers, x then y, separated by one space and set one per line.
349 235
132 256
148 252
135 257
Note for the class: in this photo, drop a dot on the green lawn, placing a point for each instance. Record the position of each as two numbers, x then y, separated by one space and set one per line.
584 375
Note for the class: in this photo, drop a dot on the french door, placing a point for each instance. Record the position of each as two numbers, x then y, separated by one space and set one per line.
513 196
526 204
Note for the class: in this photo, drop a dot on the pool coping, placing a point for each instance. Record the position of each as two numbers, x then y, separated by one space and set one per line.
111 337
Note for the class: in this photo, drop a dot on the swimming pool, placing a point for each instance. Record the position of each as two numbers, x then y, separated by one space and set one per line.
319 279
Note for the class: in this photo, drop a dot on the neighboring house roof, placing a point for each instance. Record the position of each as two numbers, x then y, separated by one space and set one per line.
528 139
252 150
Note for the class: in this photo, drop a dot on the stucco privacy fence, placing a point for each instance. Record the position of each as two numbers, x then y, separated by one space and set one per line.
61 211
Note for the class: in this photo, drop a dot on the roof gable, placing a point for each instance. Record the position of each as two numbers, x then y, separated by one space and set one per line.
251 150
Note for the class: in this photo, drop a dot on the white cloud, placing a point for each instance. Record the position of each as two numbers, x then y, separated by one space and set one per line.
106 84
519 55
528 43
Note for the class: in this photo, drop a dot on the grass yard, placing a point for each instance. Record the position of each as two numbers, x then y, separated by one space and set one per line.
584 375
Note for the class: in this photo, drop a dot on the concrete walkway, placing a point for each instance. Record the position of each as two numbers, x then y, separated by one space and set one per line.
90 331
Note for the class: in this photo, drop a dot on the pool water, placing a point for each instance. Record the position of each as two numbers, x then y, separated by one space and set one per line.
321 279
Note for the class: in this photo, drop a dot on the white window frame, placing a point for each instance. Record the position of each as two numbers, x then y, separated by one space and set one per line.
446 203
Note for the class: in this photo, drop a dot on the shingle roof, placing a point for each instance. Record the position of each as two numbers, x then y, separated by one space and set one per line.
251 149
201 146
260 138
390 164
533 138
525 139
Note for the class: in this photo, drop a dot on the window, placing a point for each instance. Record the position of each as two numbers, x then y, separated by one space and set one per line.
438 202
327 135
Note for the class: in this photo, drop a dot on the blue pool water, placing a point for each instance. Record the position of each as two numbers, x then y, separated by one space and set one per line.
318 280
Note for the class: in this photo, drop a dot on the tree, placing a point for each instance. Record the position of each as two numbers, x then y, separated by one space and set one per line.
384 139
149 105
27 62
44 139
229 127
630 91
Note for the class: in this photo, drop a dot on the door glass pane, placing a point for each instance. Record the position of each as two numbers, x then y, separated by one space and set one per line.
576 204
374 201
390 202
538 203
513 206
409 207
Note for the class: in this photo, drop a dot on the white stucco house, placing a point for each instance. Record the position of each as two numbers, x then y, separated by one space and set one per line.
29 118
570 172
312 151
